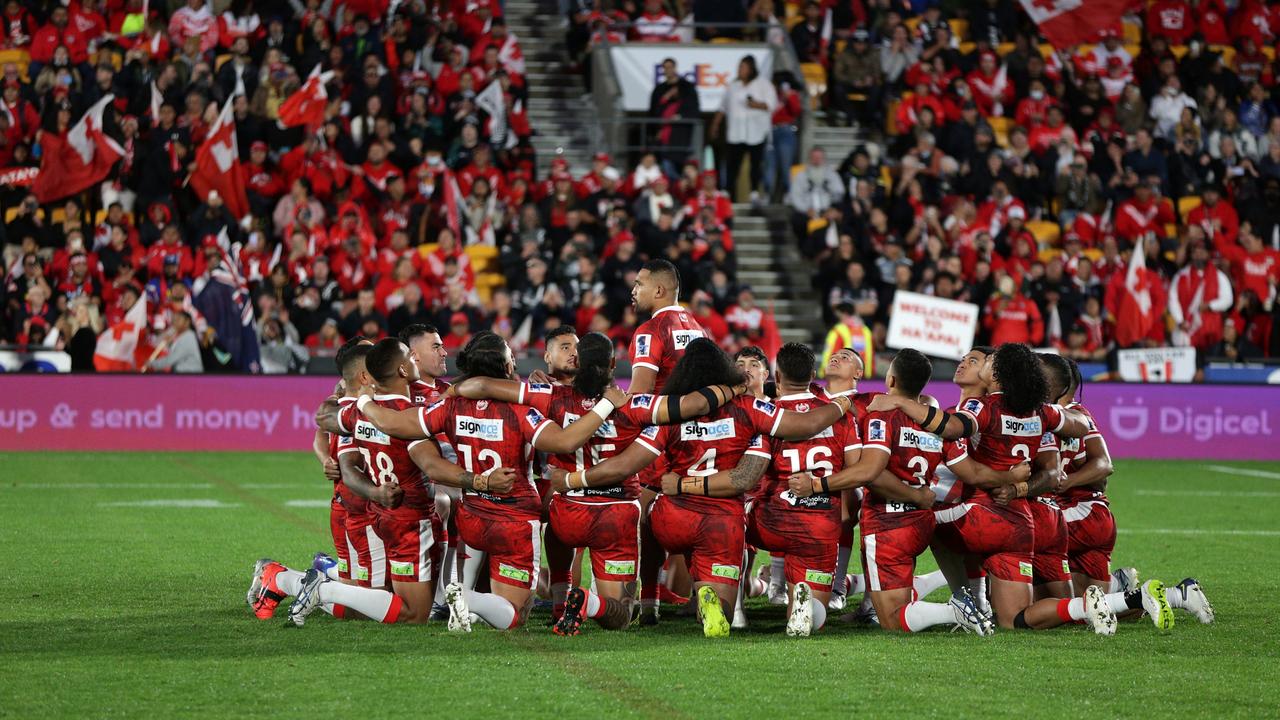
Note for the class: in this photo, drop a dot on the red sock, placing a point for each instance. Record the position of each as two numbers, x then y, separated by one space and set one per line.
339 611
1064 611
902 619
393 612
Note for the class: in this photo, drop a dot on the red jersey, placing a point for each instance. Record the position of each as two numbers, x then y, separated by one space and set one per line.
1005 439
337 441
860 399
387 459
915 456
716 442
488 434
660 341
1073 456
563 405
821 455
428 393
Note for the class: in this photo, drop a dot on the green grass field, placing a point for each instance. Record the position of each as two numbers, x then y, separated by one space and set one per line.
114 605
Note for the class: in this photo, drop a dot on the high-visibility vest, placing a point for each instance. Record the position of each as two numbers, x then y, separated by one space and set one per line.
842 336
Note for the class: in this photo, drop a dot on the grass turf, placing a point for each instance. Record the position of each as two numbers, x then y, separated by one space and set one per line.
115 606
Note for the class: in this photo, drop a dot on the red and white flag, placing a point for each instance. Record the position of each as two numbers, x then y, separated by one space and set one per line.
307 104
121 347
79 160
453 204
1136 313
1073 22
218 165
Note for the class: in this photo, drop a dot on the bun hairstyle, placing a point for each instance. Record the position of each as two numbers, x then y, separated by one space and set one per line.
1018 371
485 355
703 363
595 361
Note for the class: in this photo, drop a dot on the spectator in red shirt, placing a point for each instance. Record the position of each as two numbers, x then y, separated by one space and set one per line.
325 341
1254 266
58 32
1218 219
1012 317
459 332
1172 20
19 26
1145 212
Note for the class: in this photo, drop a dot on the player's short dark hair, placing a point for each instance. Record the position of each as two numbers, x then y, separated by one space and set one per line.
414 330
666 272
384 358
912 370
984 349
595 360
351 361
703 363
1018 372
339 357
753 352
483 356
1058 373
558 331
795 362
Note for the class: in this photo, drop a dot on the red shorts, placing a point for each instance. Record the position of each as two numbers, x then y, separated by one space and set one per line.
413 545
712 544
809 553
338 529
514 547
1003 537
1091 536
1049 559
889 554
359 530
611 531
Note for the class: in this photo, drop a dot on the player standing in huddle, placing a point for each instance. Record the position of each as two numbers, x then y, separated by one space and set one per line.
1009 421
489 436
603 519
726 444
655 347
1091 529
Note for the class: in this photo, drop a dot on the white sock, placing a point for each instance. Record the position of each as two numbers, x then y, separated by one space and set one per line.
1117 602
1075 608
819 611
494 609
920 615
471 567
595 606
978 587
558 592
777 573
370 603
855 583
742 586
1115 585
842 568
1175 598
927 583
332 573
448 571
289 582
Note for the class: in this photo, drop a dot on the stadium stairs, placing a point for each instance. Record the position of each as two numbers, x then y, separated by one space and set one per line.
769 261
562 120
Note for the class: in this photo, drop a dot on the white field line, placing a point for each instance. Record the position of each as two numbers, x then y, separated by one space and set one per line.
1228 470
187 503
1193 532
107 486
307 503
1207 493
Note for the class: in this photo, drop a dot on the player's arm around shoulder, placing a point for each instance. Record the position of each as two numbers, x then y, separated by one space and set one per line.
554 439
426 455
407 424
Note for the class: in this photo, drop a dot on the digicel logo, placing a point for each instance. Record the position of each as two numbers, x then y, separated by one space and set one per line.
702 75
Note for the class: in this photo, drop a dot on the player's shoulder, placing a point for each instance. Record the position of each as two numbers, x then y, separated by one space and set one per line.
395 402
754 404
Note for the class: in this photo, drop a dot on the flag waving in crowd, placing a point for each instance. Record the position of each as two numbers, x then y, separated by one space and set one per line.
80 159
123 347
1072 22
306 105
218 165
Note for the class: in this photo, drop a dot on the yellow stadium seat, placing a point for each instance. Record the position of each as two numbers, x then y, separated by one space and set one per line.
1047 49
1005 48
796 170
841 43
58 216
1269 51
1001 127
816 224
1170 230
1227 52
221 60
886 177
1094 254
967 47
427 248
1186 205
1048 254
1133 49
1046 233
959 28
1178 51
891 118
794 21
15 56
912 23
815 81
723 40
1132 33
12 213
481 255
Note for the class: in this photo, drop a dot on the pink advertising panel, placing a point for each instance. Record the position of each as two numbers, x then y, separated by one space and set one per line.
212 412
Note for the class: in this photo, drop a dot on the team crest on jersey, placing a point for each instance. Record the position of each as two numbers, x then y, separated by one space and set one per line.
1021 427
368 432
588 403
757 443
972 406
482 404
802 407
766 407
540 388
714 430
912 438
680 339
642 345
1069 445
479 428
875 431
1049 440
534 418
642 401
650 432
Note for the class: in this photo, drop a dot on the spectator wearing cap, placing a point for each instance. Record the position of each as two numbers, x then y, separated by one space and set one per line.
591 183
459 332
674 103
746 114
24 119
856 70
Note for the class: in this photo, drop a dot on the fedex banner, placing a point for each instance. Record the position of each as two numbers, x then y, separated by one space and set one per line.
212 412
638 67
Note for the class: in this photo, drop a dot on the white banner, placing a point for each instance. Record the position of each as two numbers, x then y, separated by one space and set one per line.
38 361
935 326
638 67
1158 365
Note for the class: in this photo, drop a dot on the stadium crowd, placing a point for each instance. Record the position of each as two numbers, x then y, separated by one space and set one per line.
996 171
